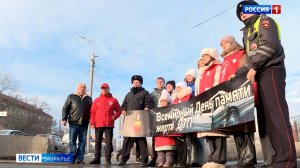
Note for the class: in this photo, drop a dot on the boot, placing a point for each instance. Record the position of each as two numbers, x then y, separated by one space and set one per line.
95 161
161 158
169 159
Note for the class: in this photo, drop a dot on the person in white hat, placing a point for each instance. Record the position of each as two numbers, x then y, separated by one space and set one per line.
190 78
210 78
183 93
165 145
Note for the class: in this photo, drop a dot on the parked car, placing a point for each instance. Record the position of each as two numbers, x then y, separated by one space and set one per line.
13 132
55 143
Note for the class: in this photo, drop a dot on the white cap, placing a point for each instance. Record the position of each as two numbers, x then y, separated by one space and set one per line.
191 72
181 84
210 51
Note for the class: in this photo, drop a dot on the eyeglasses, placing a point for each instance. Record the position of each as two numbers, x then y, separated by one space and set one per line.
104 88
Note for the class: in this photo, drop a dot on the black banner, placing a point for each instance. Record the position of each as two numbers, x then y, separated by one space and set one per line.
228 104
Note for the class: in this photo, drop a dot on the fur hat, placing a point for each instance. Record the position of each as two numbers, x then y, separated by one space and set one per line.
166 96
227 38
171 82
239 7
191 72
181 84
210 51
137 77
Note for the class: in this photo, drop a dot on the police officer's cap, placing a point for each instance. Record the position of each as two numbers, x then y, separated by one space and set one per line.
239 7
137 77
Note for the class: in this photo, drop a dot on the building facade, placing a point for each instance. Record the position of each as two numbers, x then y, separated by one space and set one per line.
22 116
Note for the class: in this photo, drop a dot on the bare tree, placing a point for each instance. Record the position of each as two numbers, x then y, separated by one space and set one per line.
7 82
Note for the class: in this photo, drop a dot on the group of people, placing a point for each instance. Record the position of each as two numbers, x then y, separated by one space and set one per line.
261 59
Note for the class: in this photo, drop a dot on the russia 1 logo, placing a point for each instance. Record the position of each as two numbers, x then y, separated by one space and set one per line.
276 9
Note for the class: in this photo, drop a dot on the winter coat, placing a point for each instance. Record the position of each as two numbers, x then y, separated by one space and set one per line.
182 96
137 99
163 143
210 77
155 95
230 64
77 110
105 110
192 85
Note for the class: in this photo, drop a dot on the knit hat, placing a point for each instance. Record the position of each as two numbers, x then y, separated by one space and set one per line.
191 72
164 96
239 7
171 82
227 38
210 51
181 84
137 77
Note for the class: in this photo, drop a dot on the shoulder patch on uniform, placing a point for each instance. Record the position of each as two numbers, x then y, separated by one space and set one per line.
253 47
266 24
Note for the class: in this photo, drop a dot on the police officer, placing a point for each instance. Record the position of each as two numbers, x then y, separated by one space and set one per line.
137 99
266 66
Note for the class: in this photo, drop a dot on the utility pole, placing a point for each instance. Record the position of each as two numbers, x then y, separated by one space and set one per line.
92 63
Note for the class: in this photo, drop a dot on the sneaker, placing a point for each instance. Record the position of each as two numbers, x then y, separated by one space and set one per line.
95 161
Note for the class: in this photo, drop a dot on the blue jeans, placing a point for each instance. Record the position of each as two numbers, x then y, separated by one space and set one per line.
80 132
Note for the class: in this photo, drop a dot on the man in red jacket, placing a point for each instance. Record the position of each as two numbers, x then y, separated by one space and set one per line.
105 110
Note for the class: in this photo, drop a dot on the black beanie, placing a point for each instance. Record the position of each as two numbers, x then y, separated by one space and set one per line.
239 7
137 77
172 83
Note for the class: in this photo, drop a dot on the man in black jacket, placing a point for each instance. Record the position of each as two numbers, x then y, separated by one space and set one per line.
77 112
137 99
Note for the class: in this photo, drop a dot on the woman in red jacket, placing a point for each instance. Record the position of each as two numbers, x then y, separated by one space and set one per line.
210 78
105 110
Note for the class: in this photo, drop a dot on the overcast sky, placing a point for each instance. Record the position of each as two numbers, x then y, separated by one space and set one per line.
41 48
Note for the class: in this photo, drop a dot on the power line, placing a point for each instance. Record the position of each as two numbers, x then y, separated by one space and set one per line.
199 24
190 29
194 13
66 26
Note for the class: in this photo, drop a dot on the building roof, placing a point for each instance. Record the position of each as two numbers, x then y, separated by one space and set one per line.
21 104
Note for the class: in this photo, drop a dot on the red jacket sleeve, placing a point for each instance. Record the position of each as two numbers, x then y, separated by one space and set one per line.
117 109
93 112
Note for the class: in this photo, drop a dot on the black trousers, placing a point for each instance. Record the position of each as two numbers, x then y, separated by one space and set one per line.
245 145
108 132
217 149
181 148
128 144
273 114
